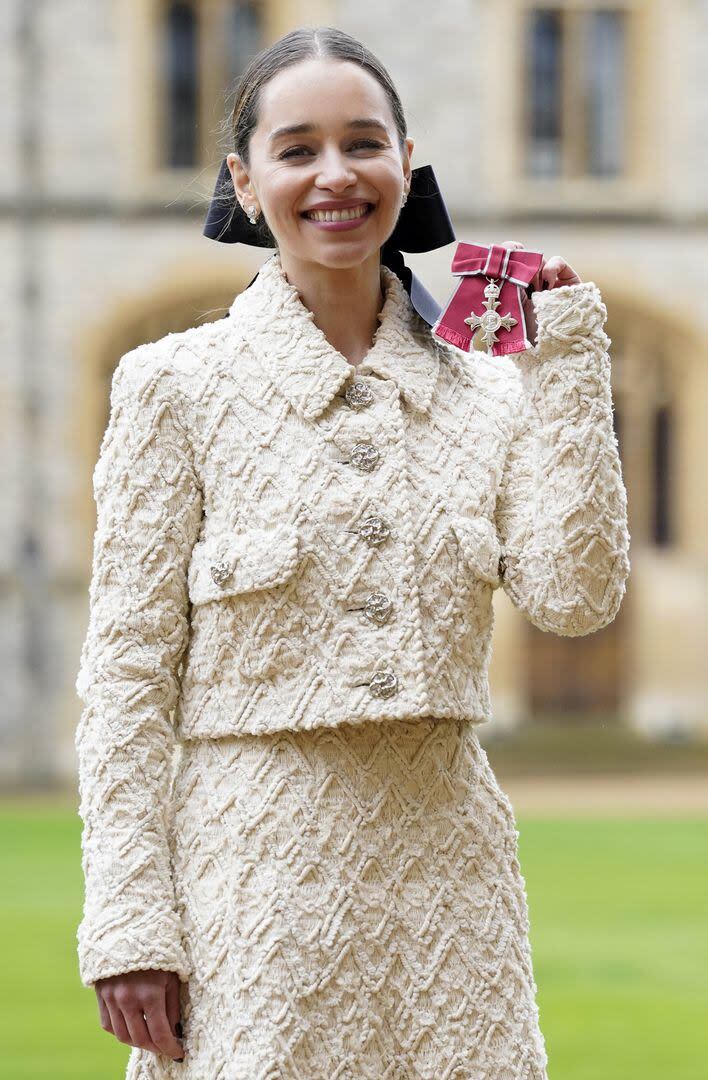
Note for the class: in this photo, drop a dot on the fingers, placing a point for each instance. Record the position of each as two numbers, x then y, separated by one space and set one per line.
552 273
104 1015
139 1032
550 270
161 1030
118 1025
134 1007
535 283
172 1006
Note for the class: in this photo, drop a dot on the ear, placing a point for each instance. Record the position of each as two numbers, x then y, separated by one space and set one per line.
408 150
241 180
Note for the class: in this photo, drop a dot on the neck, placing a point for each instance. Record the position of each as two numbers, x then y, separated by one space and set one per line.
344 302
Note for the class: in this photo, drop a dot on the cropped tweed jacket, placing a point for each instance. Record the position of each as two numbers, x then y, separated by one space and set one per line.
285 541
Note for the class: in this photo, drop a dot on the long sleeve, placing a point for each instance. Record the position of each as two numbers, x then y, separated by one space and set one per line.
149 506
561 511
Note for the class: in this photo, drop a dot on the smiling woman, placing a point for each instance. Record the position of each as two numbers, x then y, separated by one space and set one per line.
329 183
303 511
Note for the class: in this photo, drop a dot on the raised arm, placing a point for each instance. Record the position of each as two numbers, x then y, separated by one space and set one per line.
561 510
149 506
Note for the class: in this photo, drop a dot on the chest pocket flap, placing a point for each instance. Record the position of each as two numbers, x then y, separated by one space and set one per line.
229 563
480 547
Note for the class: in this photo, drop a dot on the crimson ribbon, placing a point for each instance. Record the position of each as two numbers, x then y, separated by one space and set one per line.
474 263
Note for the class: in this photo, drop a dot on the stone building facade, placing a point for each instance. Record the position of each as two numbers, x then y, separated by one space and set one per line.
574 126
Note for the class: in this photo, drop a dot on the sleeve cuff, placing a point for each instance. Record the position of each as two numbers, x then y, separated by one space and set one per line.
567 318
118 953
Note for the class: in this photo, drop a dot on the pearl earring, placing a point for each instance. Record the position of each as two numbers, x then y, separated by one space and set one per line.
252 214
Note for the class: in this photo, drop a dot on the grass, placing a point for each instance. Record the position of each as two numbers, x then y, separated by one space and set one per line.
545 747
618 914
619 933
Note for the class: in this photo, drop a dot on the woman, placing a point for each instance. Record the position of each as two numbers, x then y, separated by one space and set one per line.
303 512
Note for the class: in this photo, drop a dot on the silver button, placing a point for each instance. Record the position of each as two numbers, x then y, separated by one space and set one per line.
220 572
383 684
364 456
374 529
378 607
358 395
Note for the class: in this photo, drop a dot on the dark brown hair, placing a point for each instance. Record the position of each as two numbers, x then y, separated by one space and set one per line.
304 43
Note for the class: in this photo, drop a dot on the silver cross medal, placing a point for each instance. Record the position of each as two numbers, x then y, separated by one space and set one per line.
491 320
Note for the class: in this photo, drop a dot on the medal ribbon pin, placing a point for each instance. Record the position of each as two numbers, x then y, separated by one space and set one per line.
490 278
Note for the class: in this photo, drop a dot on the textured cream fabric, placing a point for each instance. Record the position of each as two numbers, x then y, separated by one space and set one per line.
353 907
230 579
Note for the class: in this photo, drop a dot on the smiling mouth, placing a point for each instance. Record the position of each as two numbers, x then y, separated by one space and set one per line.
350 214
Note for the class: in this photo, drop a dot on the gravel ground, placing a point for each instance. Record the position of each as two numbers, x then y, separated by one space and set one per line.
608 795
592 795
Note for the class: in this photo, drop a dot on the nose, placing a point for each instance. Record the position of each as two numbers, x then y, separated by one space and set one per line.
335 171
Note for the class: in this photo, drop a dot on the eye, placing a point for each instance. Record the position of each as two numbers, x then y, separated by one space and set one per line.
368 144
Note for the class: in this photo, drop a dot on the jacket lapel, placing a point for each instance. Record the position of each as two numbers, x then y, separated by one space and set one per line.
303 365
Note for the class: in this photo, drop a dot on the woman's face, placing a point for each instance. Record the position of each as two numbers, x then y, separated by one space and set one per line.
347 154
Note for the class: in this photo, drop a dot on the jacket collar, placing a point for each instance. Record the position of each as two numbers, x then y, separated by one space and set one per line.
302 363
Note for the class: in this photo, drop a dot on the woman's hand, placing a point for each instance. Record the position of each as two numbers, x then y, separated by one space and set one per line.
552 273
122 1001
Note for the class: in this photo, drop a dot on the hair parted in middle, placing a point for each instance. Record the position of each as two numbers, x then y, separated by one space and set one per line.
303 43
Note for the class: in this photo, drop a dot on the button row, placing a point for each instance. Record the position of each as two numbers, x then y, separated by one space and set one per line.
220 572
377 607
364 456
358 395
383 683
374 530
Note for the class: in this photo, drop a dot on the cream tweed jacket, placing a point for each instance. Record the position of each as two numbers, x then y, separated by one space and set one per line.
284 541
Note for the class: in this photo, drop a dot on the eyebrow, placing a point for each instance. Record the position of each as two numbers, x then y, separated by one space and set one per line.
304 129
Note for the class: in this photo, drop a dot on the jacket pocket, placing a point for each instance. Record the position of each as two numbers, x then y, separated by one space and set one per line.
247 615
231 563
480 547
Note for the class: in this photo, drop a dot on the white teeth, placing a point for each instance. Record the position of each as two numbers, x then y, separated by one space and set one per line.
338 215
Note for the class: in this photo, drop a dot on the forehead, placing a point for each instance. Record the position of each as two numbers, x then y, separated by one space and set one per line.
326 93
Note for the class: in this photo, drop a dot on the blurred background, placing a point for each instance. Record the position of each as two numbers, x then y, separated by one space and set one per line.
576 127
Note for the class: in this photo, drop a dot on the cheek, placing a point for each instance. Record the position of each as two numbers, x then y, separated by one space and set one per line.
387 178
282 193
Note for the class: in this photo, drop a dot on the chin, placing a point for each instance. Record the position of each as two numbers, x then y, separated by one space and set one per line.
342 257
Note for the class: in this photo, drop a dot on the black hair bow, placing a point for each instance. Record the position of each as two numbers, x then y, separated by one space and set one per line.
423 225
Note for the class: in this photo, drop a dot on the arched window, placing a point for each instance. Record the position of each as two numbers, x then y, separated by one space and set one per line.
662 525
575 91
579 679
203 46
244 34
645 428
181 84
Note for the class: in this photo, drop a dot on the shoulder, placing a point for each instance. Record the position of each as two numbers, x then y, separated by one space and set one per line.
495 378
173 365
169 377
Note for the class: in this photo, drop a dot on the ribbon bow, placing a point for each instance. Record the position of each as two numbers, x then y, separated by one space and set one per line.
467 310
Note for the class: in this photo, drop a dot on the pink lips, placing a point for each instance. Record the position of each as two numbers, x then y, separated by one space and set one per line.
339 226
333 205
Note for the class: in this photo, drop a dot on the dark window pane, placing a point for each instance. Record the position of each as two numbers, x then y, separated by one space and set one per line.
662 475
244 35
604 91
543 92
617 425
181 84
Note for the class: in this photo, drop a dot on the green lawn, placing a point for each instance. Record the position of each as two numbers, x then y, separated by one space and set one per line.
619 922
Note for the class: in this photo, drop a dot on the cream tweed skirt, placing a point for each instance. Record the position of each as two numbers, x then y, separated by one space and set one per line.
353 909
